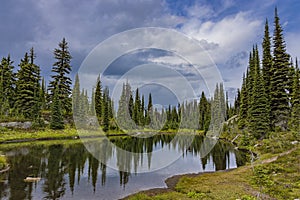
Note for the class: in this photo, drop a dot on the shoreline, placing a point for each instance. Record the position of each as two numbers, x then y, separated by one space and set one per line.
172 181
19 136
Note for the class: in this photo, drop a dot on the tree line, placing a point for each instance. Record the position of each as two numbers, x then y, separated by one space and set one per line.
135 113
269 99
24 95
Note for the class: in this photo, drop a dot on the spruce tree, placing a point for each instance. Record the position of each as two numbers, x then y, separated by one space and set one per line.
243 104
267 66
137 108
7 85
259 110
28 87
204 116
61 69
294 122
99 99
56 114
92 110
106 109
42 95
76 96
149 113
279 79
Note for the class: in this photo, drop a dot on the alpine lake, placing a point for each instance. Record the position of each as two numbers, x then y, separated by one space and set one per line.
108 167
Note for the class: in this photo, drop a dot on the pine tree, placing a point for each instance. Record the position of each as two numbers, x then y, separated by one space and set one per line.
204 116
142 111
106 109
279 79
237 102
76 97
92 110
28 87
149 113
99 99
243 104
259 110
7 85
61 69
42 95
294 122
123 116
267 67
56 114
137 108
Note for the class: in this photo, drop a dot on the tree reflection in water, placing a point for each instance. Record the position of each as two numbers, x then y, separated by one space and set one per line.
60 164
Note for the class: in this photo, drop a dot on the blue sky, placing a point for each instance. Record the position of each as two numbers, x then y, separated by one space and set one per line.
228 28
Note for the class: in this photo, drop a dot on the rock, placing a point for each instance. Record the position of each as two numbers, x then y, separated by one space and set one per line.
32 179
294 142
17 125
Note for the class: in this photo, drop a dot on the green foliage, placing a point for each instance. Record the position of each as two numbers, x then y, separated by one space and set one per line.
259 110
99 99
243 104
28 87
294 122
247 197
106 107
61 69
196 195
56 112
3 162
204 115
7 86
279 78
76 97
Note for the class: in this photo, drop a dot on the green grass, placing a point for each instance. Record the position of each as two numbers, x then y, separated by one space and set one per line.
47 134
3 162
279 179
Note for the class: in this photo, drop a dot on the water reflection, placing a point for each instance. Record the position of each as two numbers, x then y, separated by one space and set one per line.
64 168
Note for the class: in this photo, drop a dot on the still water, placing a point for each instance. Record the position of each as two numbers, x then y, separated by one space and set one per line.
69 171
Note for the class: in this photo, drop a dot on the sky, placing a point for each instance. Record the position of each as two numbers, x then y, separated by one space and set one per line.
227 29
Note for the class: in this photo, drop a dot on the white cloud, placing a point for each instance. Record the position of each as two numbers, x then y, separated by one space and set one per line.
292 43
230 36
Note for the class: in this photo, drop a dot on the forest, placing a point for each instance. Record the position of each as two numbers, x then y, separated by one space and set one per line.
269 98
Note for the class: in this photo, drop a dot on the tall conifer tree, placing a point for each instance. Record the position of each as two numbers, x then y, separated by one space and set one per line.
279 79
61 69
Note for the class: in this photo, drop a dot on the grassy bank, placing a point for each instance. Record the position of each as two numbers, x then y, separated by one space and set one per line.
7 135
275 174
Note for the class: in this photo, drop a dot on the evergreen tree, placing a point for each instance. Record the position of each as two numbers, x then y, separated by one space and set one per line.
92 110
142 113
243 104
56 114
279 79
204 116
237 103
131 106
98 99
28 87
123 116
149 111
137 108
7 85
61 69
42 95
76 97
294 122
259 110
106 109
267 67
